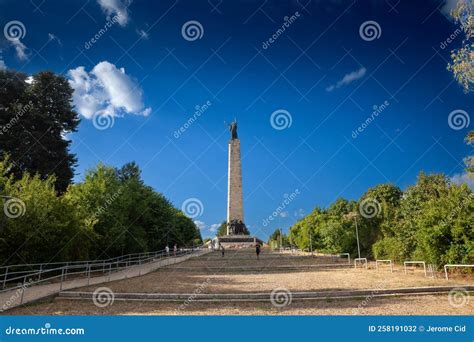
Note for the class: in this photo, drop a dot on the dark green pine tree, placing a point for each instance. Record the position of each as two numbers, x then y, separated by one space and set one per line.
34 118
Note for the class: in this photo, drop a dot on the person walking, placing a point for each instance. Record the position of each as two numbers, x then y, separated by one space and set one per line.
167 249
222 251
257 250
175 249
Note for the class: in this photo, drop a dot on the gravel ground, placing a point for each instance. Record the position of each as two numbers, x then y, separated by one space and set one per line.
412 305
169 281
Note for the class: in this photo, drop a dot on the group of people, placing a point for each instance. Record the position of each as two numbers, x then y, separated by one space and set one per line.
175 250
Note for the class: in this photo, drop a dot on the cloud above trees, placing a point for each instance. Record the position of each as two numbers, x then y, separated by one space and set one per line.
106 90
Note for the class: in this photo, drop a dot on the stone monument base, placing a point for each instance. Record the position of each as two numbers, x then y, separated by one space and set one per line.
237 241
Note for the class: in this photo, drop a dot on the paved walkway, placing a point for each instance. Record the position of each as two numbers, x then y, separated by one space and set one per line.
16 297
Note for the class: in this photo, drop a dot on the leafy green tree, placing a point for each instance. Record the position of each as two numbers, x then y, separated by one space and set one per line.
129 216
44 227
431 220
469 161
462 65
97 199
222 230
34 118
275 241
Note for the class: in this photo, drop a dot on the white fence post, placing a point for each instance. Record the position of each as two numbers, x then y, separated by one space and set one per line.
453 265
88 275
23 288
62 279
5 278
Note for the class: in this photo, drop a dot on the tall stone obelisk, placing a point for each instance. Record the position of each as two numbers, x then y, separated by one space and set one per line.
235 209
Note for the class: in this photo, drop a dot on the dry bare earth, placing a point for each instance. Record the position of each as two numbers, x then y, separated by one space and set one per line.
412 305
236 273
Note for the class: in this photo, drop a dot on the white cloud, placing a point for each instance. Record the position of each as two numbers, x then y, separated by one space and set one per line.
106 90
448 6
463 178
214 227
20 49
201 225
143 34
284 214
116 8
348 78
299 213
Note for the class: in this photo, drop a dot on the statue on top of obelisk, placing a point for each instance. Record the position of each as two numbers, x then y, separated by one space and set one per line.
233 130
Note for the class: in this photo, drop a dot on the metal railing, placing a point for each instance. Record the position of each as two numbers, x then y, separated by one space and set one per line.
454 265
19 276
415 263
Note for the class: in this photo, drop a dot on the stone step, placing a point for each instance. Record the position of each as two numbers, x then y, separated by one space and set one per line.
265 296
260 268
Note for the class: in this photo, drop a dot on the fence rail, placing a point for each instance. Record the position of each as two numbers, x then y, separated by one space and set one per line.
17 276
379 261
415 263
453 265
361 260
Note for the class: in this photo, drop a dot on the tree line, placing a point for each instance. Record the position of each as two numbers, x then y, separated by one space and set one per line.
46 217
432 220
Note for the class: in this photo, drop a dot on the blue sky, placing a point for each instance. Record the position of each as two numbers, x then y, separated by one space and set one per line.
323 74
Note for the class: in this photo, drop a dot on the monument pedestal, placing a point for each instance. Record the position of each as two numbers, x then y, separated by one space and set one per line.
238 241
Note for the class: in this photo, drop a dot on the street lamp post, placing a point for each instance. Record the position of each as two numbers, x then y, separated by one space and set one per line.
281 239
354 216
357 235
